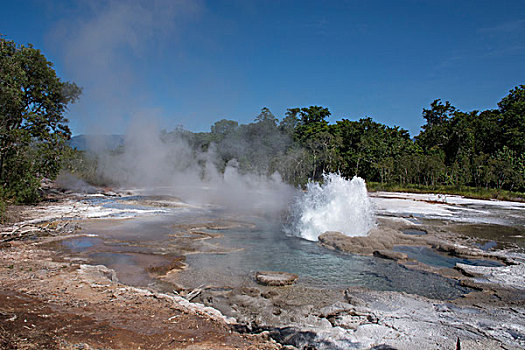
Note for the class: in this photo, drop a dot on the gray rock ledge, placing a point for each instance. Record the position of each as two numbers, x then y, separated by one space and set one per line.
389 254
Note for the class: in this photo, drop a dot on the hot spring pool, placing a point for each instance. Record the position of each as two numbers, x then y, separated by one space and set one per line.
231 259
267 248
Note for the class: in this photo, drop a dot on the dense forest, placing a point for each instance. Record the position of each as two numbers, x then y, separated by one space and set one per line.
483 149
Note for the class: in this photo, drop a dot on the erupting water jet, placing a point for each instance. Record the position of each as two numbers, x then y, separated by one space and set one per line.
335 205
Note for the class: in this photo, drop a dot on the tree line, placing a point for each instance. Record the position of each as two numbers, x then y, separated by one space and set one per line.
484 149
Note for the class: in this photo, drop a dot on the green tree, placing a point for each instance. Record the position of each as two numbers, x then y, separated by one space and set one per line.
266 117
488 133
290 121
507 169
311 120
435 134
223 128
433 169
314 114
370 149
33 129
409 165
512 109
263 143
312 133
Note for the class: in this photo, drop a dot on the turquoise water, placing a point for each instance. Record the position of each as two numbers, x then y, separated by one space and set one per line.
414 232
431 257
265 247
131 246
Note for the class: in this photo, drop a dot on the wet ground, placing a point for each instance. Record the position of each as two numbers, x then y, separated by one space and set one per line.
432 257
48 304
491 236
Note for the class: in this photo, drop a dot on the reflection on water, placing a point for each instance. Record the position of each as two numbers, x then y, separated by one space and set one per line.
414 232
431 257
487 245
131 268
505 237
82 243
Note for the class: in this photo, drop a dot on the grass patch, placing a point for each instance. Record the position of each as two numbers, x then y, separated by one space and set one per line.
4 203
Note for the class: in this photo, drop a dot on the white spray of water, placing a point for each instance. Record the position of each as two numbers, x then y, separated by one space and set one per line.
335 205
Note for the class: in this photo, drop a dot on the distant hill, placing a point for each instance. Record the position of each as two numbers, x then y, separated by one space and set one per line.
96 142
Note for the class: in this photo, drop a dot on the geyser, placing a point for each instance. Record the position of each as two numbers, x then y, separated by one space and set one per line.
335 205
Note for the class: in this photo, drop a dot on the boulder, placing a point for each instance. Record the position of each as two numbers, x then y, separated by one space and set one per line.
458 250
382 238
275 278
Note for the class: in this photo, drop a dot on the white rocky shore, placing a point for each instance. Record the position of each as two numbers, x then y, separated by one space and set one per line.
365 319
512 276
491 316
407 322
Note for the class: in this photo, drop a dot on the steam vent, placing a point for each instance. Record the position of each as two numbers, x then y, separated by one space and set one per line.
275 278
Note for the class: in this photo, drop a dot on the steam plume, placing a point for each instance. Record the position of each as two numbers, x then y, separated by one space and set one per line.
101 47
172 165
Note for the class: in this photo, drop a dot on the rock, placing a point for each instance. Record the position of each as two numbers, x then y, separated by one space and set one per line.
470 283
269 294
110 193
347 316
5 245
354 300
383 347
252 292
504 276
383 238
348 321
275 278
335 309
98 274
458 250
389 254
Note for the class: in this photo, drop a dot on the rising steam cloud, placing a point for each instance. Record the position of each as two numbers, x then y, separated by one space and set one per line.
172 166
102 46
100 49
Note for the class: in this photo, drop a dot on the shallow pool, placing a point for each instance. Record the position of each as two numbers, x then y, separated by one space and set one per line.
250 244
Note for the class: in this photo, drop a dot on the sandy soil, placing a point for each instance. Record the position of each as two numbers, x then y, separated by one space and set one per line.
47 302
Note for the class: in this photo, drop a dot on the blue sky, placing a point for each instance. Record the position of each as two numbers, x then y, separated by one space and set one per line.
191 63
